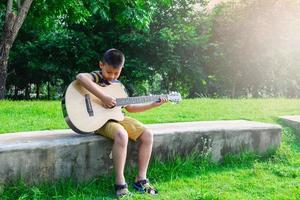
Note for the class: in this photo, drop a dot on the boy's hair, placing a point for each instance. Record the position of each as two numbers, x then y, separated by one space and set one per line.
114 58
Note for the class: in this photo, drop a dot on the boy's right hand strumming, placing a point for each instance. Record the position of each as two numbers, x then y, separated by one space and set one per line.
108 101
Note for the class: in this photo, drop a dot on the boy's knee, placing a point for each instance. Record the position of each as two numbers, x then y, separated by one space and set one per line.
121 137
147 136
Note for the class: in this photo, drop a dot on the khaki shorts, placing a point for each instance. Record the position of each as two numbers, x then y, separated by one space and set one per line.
133 127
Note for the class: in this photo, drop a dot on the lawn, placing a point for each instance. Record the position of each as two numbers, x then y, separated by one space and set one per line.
42 115
245 177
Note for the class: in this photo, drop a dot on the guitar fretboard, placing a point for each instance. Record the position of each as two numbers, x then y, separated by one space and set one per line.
137 100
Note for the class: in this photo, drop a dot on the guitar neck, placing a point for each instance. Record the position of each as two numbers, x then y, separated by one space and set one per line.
138 100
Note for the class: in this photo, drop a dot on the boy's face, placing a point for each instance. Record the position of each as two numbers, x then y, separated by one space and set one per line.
110 73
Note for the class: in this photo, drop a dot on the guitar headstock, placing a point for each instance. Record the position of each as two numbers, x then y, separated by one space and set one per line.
174 97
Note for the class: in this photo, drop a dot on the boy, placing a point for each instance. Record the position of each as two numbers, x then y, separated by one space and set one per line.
111 67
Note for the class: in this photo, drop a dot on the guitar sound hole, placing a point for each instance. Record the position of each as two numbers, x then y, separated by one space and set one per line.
88 105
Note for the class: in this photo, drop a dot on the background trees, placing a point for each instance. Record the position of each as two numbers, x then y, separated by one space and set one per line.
257 45
239 49
51 20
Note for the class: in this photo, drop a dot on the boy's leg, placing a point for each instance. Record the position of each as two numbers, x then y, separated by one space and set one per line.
144 154
119 152
137 131
119 135
141 182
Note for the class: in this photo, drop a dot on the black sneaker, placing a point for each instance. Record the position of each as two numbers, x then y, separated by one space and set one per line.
122 191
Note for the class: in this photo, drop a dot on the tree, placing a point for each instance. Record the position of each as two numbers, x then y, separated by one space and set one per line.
49 13
12 25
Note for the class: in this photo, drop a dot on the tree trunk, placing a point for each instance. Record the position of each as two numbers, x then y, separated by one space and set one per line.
165 83
193 90
233 90
48 90
37 91
3 75
16 92
27 92
4 52
12 26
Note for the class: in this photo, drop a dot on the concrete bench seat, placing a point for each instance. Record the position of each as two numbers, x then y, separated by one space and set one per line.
293 121
51 155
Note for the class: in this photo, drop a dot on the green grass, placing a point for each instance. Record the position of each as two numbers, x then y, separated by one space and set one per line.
18 116
247 176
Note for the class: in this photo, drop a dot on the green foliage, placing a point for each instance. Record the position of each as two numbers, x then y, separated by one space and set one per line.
158 41
239 49
173 47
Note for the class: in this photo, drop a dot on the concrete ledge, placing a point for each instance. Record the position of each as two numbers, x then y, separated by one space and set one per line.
293 121
51 155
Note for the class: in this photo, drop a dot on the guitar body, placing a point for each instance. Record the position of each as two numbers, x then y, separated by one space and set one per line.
84 112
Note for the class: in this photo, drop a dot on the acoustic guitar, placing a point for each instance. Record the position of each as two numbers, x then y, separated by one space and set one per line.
85 113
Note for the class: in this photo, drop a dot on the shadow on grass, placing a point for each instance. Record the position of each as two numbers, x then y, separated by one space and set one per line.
102 187
178 167
290 137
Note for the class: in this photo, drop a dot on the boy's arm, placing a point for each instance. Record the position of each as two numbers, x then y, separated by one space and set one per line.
143 107
86 80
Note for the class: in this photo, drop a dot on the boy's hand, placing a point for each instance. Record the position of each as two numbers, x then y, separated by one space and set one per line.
162 100
109 102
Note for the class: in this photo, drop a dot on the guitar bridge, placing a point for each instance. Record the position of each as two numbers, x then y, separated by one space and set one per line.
88 105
